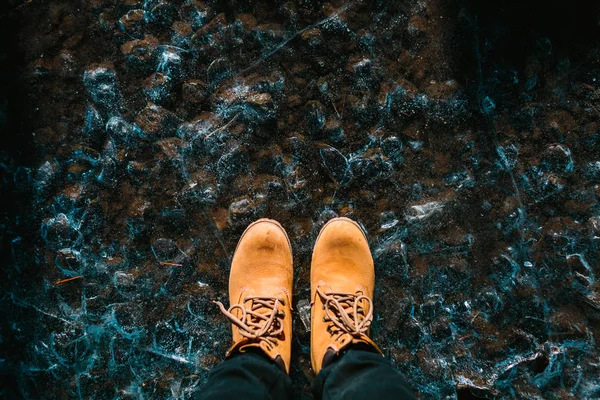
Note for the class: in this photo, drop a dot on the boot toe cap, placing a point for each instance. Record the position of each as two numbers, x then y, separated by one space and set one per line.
265 235
342 234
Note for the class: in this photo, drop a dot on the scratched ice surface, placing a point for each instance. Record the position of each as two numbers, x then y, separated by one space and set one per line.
463 137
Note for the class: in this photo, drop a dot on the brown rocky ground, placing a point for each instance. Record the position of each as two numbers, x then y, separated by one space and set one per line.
140 137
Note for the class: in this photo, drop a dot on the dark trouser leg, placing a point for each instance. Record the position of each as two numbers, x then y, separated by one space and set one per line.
246 376
360 374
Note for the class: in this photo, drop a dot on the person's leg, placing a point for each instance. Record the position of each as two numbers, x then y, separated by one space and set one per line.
360 374
249 375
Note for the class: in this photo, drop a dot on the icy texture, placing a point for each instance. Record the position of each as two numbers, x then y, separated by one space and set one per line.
162 128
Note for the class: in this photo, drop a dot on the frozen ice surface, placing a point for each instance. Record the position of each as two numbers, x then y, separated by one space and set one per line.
154 131
424 211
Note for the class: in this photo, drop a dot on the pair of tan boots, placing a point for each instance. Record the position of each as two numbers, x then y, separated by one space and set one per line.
342 281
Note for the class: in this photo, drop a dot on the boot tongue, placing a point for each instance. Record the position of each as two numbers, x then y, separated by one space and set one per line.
348 312
260 307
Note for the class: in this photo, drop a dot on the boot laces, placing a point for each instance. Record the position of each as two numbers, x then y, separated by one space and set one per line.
350 313
260 318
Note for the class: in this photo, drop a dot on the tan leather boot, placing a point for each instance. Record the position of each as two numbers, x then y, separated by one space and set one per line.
342 280
260 292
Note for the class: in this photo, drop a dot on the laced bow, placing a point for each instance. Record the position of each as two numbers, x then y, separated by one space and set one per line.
260 319
347 312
